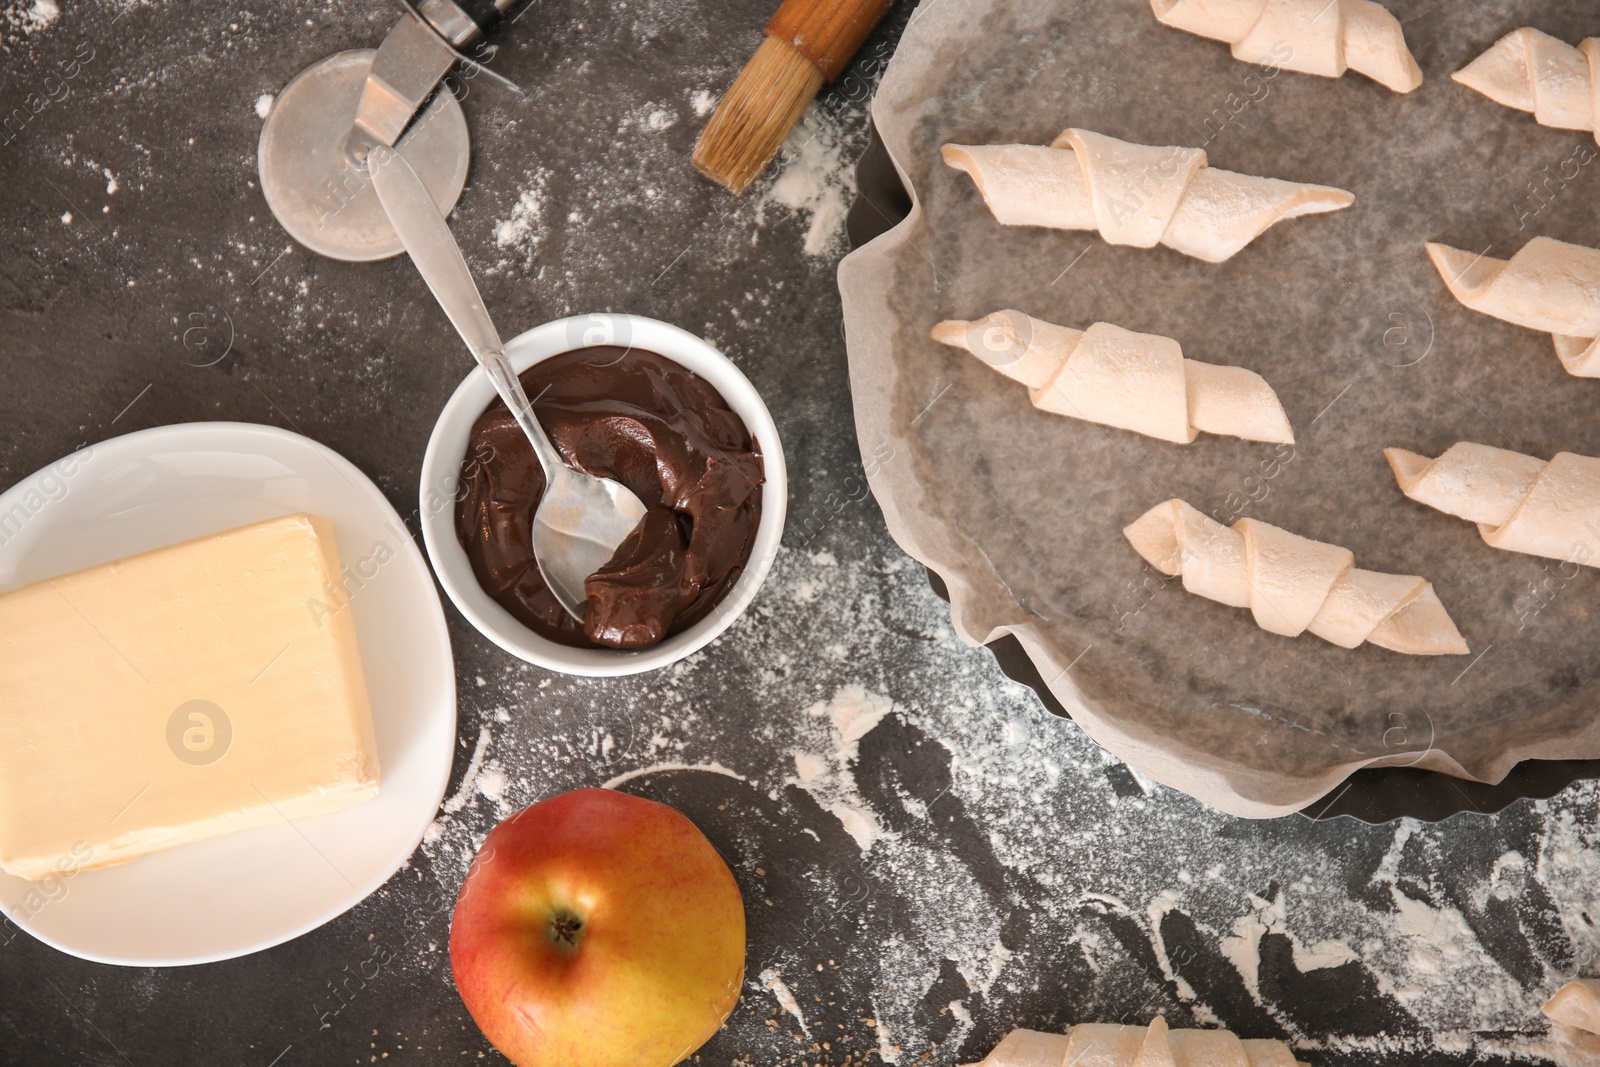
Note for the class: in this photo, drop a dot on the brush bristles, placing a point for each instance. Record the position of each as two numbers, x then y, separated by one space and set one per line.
760 109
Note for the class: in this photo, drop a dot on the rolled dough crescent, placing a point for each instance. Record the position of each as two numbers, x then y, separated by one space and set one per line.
1324 37
1115 377
1520 503
1532 71
1292 584
1114 1045
1134 194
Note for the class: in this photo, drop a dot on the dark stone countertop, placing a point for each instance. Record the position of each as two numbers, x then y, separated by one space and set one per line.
928 858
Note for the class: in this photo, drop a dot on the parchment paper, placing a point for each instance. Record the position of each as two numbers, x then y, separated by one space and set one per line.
1021 512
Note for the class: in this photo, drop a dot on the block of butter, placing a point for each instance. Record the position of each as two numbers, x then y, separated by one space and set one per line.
178 695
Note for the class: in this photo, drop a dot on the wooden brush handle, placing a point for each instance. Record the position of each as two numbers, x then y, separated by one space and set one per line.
827 32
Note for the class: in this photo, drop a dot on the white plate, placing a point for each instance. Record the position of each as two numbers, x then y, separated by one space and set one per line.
234 895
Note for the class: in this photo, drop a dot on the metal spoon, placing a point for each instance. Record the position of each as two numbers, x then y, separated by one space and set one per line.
581 519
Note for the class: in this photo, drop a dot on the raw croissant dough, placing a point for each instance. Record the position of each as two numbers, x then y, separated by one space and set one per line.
1292 584
1546 285
1134 194
1532 71
1520 503
1312 36
1115 377
1576 1004
1112 1045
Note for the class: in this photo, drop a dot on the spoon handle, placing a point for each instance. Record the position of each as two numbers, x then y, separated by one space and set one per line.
422 229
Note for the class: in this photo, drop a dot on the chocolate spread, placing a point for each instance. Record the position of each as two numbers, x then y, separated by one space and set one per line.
661 431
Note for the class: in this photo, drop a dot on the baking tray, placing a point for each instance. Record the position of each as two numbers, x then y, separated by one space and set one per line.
1374 795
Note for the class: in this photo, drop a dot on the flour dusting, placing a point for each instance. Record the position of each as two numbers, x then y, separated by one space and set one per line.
927 771
773 982
848 717
20 19
522 231
469 781
814 179
664 768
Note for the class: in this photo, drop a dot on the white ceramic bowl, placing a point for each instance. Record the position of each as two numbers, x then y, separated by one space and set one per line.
441 469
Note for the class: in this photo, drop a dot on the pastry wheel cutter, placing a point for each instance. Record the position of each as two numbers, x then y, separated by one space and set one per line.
314 146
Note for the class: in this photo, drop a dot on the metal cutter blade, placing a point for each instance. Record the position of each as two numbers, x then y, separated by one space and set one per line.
315 184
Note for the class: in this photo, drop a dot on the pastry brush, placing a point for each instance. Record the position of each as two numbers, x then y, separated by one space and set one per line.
808 42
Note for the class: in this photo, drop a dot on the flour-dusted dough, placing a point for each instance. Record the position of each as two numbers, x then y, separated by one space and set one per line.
1520 503
1546 285
1115 377
1576 1004
1323 37
1532 71
1114 1045
1292 584
1134 194
1574 1013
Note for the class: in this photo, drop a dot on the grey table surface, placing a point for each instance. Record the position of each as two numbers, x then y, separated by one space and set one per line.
928 858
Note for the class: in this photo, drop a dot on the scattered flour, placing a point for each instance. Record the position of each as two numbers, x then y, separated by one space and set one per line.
850 716
815 179
523 230
469 781
808 768
264 104
941 957
774 983
888 1051
639 219
21 19
492 783
663 768
1243 946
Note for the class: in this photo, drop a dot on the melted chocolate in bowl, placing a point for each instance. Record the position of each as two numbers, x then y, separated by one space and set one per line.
660 430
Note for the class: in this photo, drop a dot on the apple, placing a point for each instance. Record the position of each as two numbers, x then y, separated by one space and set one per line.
598 929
